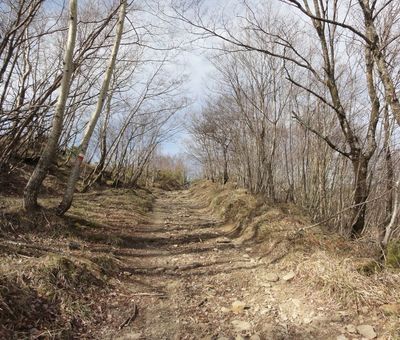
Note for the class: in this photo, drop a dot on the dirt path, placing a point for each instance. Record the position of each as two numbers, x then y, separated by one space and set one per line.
184 276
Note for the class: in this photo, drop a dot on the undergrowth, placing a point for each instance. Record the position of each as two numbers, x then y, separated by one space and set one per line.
50 295
54 270
349 273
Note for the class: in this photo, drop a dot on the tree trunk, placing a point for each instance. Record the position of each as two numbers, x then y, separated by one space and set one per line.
395 212
375 45
226 175
48 155
270 182
361 192
74 176
389 163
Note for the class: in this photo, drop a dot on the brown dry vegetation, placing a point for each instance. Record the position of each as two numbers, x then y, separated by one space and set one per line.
53 269
81 276
351 274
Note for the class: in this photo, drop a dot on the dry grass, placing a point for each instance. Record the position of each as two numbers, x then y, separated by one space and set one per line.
340 279
48 294
343 272
55 273
168 180
226 202
48 290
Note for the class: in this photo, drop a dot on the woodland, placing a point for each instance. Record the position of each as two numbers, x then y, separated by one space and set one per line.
288 165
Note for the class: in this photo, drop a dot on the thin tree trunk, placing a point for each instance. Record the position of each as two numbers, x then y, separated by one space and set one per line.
226 175
389 164
48 155
103 137
361 192
96 175
74 176
389 228
375 45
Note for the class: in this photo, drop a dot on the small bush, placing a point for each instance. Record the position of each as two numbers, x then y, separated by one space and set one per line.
169 180
69 274
393 254
107 264
22 308
339 278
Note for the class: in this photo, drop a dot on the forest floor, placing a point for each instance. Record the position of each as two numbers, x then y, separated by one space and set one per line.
172 270
189 281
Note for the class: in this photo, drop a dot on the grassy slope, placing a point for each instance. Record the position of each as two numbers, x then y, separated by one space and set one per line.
58 275
344 272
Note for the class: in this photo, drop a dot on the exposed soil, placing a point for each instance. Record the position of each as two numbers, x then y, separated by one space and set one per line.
189 281
164 266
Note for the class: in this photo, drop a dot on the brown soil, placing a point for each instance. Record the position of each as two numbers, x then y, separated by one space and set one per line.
170 270
183 275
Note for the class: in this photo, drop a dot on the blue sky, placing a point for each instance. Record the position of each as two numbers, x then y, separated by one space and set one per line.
198 68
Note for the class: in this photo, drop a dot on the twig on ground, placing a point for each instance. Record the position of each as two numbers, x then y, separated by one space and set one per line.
47 220
148 294
202 302
132 317
342 211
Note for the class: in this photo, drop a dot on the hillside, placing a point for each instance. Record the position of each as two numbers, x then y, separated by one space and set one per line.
209 262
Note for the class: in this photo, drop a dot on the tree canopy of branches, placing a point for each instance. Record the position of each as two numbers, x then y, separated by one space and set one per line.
308 94
54 74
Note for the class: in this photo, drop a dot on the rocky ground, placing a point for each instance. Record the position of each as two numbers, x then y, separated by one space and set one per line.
127 264
185 280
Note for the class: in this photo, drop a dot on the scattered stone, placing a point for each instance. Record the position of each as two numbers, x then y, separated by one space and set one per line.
271 277
307 321
291 309
74 245
336 318
255 337
351 329
133 336
341 337
225 310
289 276
238 307
224 240
248 249
241 326
366 331
391 309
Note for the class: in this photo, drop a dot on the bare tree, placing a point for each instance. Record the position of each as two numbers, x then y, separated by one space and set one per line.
334 70
69 192
49 152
